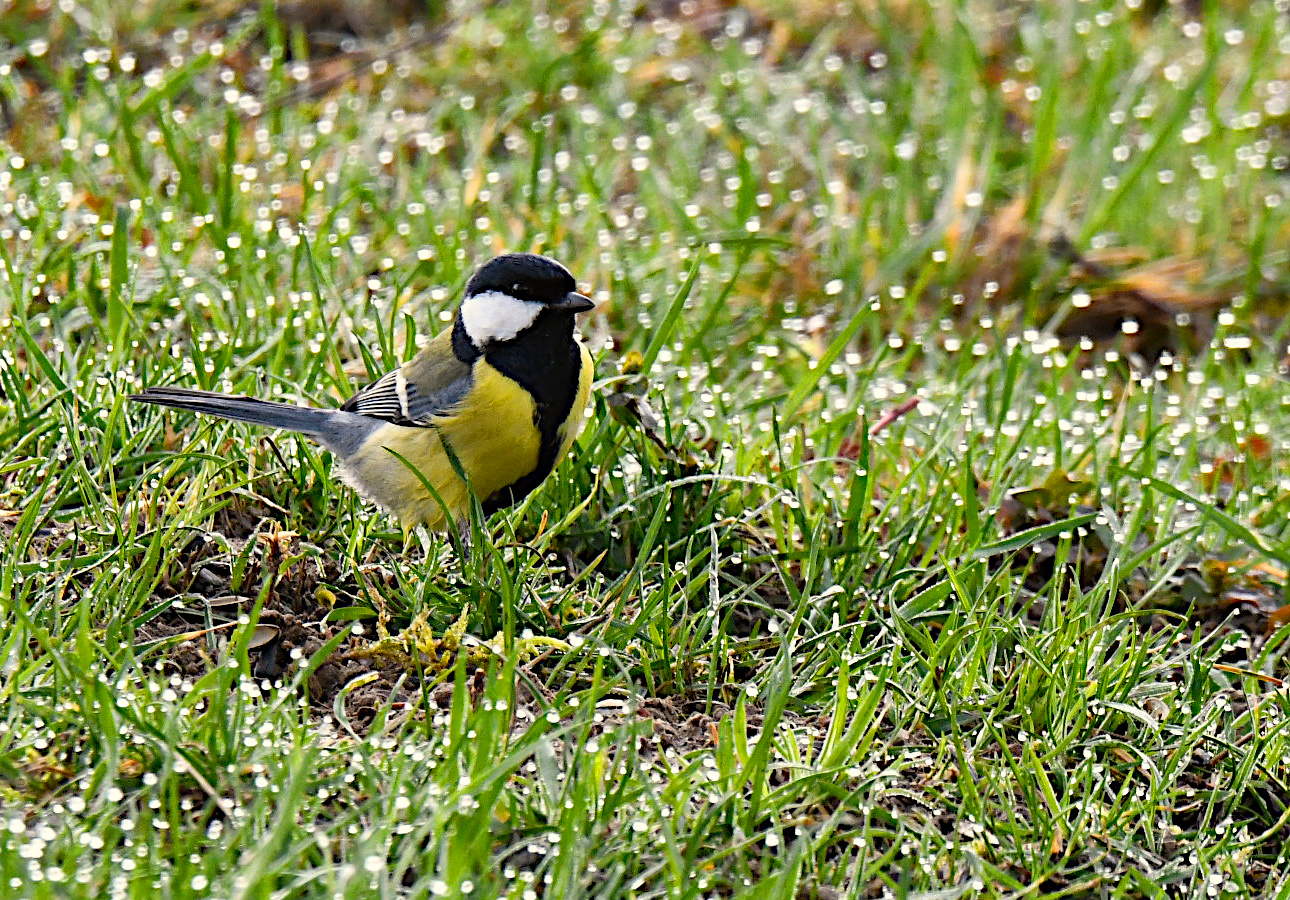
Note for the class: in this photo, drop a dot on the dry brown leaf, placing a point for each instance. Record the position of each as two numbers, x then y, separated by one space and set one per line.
171 439
1278 617
1117 256
1270 570
1247 673
957 198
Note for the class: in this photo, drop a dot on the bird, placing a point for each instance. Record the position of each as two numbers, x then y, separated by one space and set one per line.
499 397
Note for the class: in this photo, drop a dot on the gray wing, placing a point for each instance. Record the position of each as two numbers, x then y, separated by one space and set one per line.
427 386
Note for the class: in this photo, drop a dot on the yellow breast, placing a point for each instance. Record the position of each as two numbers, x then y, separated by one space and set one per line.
492 433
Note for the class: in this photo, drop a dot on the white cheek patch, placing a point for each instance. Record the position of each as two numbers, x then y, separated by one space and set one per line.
496 316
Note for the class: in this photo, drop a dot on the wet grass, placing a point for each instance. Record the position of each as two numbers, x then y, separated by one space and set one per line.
860 581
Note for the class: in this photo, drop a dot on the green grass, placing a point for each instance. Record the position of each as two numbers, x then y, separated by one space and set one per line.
789 658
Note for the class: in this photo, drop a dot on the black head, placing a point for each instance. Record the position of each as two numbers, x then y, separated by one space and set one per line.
524 276
517 296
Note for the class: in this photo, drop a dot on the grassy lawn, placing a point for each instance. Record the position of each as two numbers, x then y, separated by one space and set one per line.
929 535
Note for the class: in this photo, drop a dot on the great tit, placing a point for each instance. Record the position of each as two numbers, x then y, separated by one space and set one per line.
500 396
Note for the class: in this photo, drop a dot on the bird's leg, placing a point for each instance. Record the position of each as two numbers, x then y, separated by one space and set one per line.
463 537
412 535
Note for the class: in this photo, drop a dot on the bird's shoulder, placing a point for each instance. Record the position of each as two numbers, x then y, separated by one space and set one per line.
424 388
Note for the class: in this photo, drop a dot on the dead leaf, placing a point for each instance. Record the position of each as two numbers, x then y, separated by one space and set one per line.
1151 306
1247 673
1278 618
261 635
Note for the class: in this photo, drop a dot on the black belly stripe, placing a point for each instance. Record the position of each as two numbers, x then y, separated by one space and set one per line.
547 362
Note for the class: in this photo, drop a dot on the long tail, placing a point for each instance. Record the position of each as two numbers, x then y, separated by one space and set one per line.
340 432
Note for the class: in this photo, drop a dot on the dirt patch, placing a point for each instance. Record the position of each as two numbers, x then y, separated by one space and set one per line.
683 726
310 602
216 585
